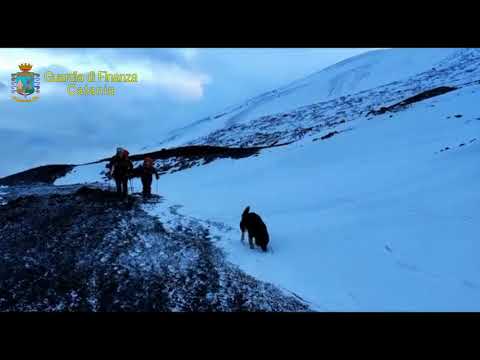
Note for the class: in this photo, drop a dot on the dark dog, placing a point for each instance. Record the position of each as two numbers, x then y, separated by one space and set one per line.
256 228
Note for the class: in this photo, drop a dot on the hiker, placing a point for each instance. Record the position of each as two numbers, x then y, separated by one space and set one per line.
146 172
120 169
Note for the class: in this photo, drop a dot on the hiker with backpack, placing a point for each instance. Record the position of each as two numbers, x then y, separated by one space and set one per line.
146 172
120 169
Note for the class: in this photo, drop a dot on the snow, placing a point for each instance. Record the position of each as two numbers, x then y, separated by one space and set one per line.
374 219
82 174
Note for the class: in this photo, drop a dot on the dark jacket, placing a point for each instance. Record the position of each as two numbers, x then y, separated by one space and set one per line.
145 172
121 166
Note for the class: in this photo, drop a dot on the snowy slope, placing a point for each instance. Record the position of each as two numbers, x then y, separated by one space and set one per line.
350 76
461 69
373 219
82 174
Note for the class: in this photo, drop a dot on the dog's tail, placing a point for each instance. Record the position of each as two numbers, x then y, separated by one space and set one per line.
246 211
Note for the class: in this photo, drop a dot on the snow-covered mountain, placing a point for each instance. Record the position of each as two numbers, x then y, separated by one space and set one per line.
362 72
372 206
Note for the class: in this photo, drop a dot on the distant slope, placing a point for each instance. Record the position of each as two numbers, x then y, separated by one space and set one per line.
460 69
362 72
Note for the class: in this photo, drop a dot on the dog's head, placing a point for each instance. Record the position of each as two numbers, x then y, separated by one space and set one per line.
242 221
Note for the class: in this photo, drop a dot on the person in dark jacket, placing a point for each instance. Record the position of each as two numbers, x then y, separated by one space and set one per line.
120 169
146 172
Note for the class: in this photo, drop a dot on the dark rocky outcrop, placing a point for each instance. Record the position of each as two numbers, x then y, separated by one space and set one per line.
329 135
43 174
413 99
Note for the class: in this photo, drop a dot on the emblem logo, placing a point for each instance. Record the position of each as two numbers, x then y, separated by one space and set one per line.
26 84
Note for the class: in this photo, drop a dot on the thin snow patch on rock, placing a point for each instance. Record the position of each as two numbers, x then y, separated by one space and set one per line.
3 192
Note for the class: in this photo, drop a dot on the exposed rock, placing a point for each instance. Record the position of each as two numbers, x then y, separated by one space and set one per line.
329 135
43 174
89 251
413 99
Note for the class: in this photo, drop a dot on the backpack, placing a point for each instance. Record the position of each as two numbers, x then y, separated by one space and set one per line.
121 164
148 162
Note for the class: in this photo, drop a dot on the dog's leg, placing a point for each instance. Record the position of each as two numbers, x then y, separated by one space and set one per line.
242 239
250 241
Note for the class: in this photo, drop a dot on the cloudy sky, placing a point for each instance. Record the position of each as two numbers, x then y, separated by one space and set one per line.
175 88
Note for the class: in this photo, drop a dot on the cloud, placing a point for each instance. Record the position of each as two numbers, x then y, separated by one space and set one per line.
42 148
176 88
188 54
175 80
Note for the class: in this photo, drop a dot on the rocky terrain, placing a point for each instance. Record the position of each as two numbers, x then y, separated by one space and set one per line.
81 249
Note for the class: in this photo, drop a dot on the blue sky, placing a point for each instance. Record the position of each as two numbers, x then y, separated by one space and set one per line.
176 87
